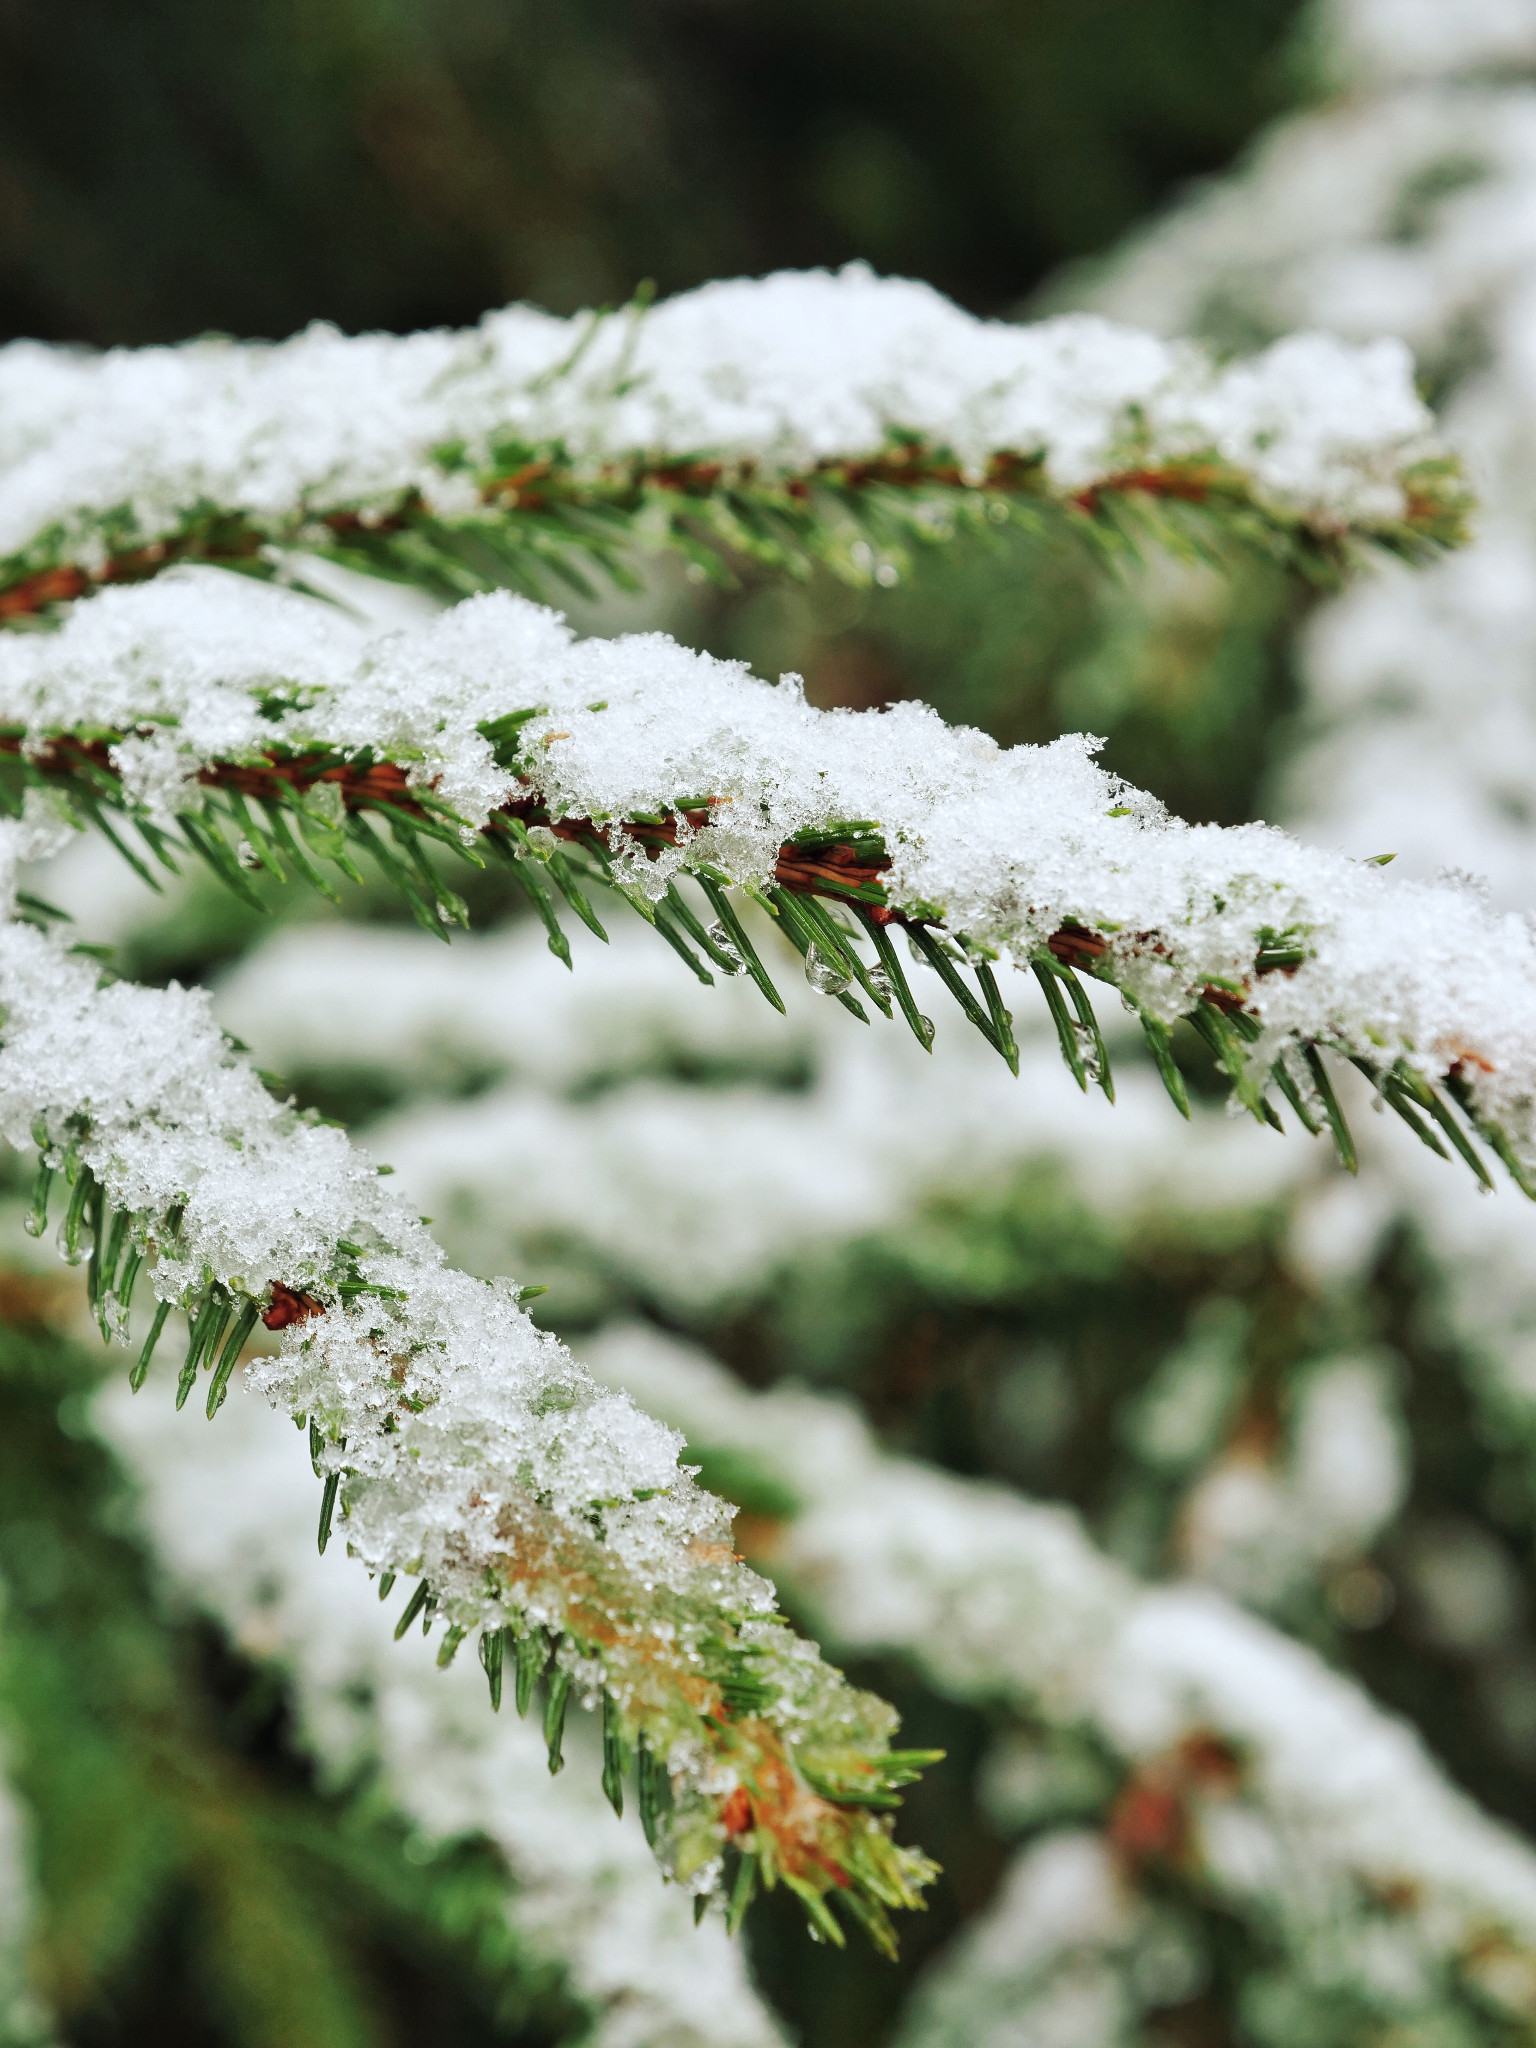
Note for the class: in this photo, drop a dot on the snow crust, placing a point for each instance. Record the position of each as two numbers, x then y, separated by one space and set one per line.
774 375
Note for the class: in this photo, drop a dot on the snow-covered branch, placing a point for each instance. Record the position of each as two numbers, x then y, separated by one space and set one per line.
259 725
458 1445
793 418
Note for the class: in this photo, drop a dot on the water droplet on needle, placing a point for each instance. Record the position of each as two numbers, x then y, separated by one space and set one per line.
823 974
730 961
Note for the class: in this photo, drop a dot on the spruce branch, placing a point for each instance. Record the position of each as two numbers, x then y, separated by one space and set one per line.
249 727
541 454
456 1445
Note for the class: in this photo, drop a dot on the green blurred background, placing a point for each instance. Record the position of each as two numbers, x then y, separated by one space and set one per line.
171 166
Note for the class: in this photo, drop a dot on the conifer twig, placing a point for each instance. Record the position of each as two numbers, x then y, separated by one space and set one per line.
540 454
635 763
456 1445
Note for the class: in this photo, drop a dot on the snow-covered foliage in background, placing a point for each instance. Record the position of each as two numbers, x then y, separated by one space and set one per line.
1034 853
1297 1803
231 1512
1068 1950
816 1134
1407 208
768 380
1365 42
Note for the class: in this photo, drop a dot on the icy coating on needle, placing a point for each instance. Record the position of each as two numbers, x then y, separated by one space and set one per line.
1003 846
773 376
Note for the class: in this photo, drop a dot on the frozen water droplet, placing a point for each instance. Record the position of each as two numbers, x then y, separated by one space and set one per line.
880 982
444 914
326 804
824 974
919 957
32 1223
247 855
725 946
927 1024
1088 1052
72 1254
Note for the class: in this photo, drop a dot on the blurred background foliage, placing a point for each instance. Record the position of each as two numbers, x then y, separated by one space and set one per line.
167 168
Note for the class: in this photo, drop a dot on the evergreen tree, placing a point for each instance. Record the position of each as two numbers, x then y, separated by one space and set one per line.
236 704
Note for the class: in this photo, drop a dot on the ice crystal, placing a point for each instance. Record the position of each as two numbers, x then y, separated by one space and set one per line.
824 975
